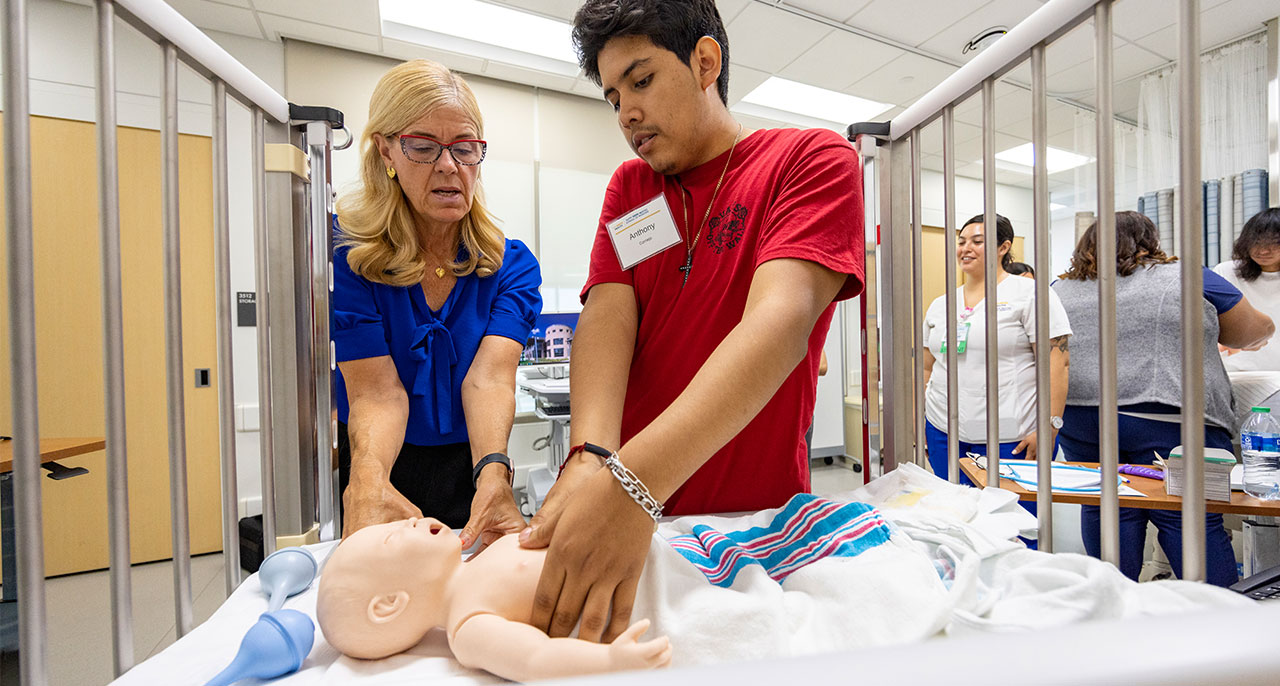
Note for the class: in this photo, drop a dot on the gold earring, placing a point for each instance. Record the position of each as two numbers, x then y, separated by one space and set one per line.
391 173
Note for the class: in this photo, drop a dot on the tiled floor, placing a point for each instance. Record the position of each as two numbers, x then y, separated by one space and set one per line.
78 616
79 606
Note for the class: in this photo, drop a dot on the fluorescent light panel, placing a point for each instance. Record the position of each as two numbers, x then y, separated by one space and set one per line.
810 101
1059 160
484 23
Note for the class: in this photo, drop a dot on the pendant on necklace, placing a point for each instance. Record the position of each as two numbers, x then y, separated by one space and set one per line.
686 268
440 272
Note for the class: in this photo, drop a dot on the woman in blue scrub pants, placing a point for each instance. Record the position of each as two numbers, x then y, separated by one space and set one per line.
1149 368
1015 331
431 310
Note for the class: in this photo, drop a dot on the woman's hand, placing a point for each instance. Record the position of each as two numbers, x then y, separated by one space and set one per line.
494 512
372 500
1028 444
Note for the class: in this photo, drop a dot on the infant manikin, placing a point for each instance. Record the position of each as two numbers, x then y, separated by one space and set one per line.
386 586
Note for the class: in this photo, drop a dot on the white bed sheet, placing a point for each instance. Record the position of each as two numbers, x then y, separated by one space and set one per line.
952 567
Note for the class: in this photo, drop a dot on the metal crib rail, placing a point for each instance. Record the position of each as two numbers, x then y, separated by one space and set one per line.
180 41
898 167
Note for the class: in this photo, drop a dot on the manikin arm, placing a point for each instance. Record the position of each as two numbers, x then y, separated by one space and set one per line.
519 652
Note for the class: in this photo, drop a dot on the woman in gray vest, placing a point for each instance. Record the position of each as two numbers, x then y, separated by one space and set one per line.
1148 366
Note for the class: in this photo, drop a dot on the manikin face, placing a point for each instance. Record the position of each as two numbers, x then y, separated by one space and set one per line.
384 587
658 99
439 193
971 250
1267 255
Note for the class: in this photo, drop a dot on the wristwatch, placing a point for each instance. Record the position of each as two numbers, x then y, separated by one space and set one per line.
1056 422
488 459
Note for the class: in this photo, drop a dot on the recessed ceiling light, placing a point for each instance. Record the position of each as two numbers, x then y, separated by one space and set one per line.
1059 160
481 22
813 102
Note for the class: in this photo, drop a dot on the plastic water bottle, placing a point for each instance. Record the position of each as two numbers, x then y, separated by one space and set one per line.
1260 447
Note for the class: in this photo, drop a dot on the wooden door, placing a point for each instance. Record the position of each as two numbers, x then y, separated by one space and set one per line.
69 340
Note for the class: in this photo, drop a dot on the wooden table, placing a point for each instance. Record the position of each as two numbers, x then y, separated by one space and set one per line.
51 449
1156 498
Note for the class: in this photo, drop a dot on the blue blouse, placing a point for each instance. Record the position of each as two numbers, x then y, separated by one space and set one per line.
432 350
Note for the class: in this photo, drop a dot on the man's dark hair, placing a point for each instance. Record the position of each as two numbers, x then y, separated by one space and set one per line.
1004 234
1264 228
675 25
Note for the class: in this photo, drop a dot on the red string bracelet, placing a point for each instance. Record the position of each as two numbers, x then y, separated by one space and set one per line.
572 451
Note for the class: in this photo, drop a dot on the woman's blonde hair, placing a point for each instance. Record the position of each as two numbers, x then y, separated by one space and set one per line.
376 220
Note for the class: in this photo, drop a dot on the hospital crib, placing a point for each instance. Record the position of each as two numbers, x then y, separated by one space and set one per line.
292 206
891 152
292 209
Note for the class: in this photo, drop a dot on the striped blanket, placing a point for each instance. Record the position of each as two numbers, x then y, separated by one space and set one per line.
805 530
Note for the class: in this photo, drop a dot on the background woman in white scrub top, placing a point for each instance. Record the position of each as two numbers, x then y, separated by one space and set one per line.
1015 311
1255 270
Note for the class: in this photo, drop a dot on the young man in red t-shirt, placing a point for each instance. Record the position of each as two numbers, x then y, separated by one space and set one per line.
697 363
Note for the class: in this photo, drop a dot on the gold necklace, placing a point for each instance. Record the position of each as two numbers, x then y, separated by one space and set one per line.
684 210
439 272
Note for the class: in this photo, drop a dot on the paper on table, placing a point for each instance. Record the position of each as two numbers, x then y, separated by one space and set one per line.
1064 477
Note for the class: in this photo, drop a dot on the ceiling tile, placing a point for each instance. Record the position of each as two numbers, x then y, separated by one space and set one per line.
555 9
1234 19
901 81
912 21
1060 117
951 39
743 80
218 17
343 14
839 59
835 10
287 27
1070 50
1133 60
1219 23
1133 19
729 9
769 39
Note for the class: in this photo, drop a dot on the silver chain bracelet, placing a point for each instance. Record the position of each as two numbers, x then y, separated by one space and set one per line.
630 482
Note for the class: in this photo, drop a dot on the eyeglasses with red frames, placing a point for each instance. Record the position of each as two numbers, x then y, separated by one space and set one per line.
426 150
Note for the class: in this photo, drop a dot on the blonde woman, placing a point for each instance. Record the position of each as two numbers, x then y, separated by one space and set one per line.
431 309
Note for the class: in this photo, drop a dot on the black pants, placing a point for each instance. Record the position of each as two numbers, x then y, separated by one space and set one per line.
436 478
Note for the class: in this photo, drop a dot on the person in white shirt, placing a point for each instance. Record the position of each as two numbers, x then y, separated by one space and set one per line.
1255 270
1015 328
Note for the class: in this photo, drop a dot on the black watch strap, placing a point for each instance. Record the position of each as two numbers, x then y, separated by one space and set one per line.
488 459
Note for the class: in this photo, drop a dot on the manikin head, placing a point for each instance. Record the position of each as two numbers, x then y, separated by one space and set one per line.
386 586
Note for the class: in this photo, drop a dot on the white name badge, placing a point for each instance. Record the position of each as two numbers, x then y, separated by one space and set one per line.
643 232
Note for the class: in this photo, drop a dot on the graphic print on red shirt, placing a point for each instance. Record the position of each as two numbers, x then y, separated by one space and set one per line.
788 194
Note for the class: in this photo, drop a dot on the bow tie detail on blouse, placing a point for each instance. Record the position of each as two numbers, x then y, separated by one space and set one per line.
436 357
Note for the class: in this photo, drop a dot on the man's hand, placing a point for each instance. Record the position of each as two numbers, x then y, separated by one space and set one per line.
373 500
577 470
598 546
494 512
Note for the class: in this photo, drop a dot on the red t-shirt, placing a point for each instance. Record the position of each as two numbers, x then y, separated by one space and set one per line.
788 193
